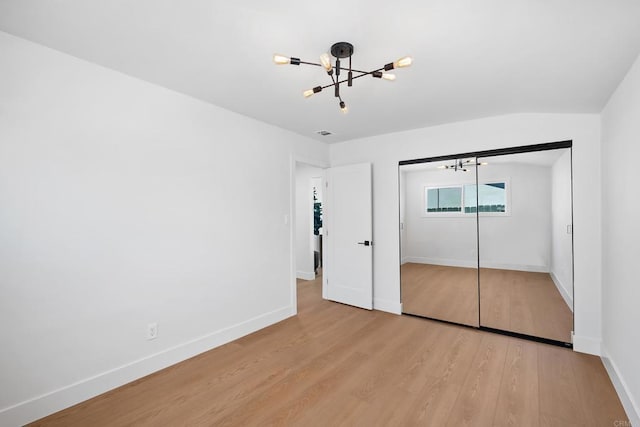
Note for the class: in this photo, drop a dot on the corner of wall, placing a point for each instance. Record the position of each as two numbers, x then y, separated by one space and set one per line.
566 296
588 345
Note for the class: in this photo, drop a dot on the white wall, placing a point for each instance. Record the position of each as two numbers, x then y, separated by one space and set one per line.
123 203
385 151
561 242
440 240
521 240
517 241
621 235
305 175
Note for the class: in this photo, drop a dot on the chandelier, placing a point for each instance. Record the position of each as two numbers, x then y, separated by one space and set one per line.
342 50
462 165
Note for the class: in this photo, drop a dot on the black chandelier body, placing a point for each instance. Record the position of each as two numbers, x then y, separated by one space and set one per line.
342 50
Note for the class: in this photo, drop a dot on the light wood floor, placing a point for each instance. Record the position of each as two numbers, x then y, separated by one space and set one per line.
338 365
519 301
440 292
524 302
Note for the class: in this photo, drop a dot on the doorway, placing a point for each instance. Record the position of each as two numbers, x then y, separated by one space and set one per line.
335 221
307 220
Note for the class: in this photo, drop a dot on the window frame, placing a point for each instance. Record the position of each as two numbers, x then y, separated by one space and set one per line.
462 214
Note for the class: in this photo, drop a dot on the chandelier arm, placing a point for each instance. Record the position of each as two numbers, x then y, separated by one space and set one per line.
335 80
356 77
342 68
311 63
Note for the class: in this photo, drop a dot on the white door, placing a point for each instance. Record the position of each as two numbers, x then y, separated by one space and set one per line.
348 235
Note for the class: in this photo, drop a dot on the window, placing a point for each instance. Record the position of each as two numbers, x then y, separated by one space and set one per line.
444 199
461 199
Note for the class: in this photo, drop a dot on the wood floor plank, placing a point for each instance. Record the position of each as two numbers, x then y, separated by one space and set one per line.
518 398
547 420
478 396
591 379
433 404
558 394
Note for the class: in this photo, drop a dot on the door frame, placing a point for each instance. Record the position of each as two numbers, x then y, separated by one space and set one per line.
293 160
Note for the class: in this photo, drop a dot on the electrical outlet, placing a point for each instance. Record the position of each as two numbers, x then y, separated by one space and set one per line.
152 331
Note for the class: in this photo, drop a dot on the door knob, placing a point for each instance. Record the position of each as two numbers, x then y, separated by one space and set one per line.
366 243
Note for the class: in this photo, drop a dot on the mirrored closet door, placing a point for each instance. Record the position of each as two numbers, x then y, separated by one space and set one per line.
486 240
439 246
525 242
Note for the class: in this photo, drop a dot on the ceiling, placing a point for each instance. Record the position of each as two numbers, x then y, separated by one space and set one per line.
472 58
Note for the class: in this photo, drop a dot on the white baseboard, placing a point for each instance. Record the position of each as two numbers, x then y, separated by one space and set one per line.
630 406
305 275
587 345
474 263
563 291
517 267
54 401
441 261
387 305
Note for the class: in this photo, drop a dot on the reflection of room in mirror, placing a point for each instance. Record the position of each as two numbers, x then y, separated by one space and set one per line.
512 222
438 231
526 257
440 292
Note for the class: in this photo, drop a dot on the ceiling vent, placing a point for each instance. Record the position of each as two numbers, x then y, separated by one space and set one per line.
323 132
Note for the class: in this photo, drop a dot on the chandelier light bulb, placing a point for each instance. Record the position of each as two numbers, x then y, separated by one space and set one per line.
403 62
387 76
325 60
343 107
281 59
308 93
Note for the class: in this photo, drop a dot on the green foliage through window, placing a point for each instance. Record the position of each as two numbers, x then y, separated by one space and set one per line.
317 213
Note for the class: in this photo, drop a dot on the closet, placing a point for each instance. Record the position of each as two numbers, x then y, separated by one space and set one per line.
486 240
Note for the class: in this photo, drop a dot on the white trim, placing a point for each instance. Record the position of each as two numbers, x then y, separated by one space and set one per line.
389 306
474 264
587 345
630 406
563 291
56 400
442 261
305 275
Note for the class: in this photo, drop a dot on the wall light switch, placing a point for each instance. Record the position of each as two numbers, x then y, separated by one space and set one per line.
286 219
